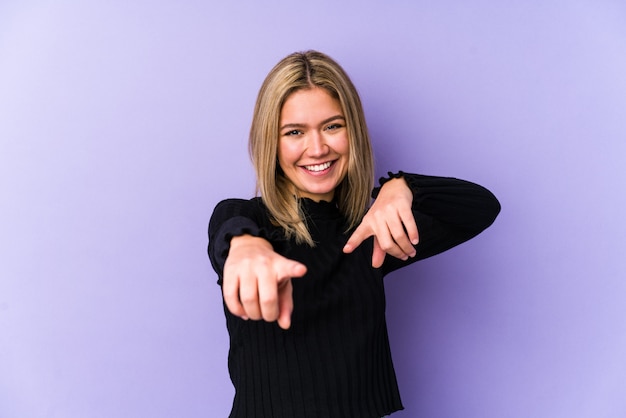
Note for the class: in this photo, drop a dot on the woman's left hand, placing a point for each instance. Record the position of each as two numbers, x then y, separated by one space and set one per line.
391 222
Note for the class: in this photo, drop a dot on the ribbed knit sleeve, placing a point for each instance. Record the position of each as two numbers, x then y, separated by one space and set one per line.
448 212
235 217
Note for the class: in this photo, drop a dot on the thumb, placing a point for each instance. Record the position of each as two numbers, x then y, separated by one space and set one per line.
285 293
378 255
285 305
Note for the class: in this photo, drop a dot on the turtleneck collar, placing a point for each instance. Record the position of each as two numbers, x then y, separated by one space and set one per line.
321 209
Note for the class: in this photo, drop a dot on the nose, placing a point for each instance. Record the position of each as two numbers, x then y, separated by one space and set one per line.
317 146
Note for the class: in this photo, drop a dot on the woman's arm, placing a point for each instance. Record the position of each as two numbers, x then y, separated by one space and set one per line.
255 279
446 211
391 222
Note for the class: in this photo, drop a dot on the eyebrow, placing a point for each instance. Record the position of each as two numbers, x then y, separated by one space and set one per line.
324 122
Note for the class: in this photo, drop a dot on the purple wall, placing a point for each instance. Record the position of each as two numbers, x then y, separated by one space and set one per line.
123 123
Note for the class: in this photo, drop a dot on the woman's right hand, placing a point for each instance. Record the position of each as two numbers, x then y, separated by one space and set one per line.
257 281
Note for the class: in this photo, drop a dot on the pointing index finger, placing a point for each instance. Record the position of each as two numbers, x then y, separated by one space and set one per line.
357 237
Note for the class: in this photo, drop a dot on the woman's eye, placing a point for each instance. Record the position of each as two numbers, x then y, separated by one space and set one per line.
333 126
292 133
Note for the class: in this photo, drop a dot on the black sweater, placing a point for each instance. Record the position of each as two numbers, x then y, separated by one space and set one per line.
335 360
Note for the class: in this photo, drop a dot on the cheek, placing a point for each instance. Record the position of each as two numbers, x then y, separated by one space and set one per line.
343 148
284 154
341 145
288 152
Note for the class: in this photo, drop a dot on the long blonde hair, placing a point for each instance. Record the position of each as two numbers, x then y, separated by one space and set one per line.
297 71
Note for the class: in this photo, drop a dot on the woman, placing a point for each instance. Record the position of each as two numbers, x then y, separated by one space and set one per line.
302 266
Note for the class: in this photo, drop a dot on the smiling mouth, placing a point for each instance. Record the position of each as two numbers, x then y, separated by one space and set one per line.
319 167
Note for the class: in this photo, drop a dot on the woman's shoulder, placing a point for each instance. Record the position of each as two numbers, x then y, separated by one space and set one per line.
240 202
232 207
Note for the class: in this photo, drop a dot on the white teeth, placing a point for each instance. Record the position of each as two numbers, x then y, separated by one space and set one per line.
318 167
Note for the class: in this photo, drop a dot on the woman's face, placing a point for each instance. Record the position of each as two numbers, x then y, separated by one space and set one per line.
313 145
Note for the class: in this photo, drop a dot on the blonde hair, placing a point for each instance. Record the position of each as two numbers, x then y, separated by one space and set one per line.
298 71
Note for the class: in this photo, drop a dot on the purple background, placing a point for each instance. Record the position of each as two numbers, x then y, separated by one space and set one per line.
123 123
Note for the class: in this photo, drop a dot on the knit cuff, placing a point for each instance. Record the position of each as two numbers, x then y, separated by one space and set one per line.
410 181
